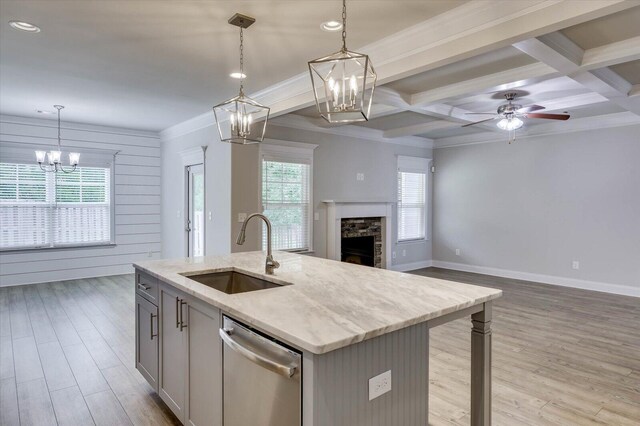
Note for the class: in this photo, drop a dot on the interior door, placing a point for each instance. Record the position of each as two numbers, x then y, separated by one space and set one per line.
195 210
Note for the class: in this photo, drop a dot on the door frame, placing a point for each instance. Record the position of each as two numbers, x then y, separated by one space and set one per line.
188 223
191 157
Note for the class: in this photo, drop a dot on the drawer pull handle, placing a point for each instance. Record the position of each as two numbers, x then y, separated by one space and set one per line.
143 287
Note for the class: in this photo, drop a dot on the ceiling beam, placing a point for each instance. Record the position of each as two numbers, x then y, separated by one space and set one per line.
419 129
468 30
611 54
499 81
559 52
316 124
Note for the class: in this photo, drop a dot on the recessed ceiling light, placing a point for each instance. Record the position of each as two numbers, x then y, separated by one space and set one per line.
237 75
24 26
331 26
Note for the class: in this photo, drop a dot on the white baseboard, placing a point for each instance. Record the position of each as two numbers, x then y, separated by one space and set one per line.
404 267
624 290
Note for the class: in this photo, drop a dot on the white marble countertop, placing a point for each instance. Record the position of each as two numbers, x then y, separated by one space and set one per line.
329 304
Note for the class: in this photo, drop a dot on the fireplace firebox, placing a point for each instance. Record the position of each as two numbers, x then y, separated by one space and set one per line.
359 250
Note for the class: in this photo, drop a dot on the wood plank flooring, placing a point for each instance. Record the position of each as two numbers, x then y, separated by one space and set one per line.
560 357
67 356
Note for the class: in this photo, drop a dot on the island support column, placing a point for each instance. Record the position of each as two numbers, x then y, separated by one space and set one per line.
481 367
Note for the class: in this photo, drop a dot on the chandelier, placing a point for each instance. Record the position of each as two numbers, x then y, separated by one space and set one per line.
343 82
54 157
238 118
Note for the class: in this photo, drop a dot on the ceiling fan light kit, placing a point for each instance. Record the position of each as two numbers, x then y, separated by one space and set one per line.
510 115
241 120
343 82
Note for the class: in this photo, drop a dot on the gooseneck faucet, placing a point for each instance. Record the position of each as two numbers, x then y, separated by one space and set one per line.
270 264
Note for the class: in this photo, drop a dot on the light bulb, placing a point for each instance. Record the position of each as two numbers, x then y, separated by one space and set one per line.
54 157
40 156
512 123
74 158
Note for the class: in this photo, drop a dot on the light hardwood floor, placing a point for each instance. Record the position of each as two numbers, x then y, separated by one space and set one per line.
560 356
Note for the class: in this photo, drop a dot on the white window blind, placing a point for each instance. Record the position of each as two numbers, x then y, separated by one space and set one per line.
412 198
39 209
286 201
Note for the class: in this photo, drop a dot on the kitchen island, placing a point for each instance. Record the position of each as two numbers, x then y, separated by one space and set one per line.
349 323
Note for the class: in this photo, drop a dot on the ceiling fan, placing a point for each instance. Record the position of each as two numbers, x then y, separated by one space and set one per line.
511 114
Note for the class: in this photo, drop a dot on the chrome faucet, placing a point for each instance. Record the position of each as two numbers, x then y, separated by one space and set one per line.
270 264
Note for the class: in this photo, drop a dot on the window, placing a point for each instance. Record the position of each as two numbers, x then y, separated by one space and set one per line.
44 210
286 196
412 198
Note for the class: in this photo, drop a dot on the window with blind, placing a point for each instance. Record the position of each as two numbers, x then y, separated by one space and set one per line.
45 210
286 201
412 198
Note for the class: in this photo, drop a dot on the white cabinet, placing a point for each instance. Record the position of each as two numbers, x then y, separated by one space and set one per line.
147 340
190 358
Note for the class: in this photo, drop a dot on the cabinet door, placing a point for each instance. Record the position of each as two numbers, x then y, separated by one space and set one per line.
147 340
204 370
173 351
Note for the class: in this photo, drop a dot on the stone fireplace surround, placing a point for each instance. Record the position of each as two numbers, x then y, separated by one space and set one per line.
338 210
363 227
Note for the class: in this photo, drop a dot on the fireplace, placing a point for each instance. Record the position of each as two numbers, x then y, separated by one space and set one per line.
359 250
361 241
355 219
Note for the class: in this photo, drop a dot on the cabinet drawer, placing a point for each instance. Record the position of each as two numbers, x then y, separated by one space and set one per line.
147 287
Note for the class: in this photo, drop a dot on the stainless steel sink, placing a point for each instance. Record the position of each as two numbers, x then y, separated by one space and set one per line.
231 282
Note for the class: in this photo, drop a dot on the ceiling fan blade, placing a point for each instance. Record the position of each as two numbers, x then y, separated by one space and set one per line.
530 108
549 116
478 122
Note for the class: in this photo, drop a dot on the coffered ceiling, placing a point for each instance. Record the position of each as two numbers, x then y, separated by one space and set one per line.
162 64
590 70
151 64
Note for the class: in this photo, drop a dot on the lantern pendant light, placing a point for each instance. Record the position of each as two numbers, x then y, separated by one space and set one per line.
53 157
343 82
240 119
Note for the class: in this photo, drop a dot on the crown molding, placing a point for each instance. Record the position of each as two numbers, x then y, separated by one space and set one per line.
606 121
189 126
299 122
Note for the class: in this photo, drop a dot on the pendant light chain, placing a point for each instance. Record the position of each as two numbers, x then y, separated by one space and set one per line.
344 25
59 108
241 61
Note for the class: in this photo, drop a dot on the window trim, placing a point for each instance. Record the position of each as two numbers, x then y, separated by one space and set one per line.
111 165
275 150
406 164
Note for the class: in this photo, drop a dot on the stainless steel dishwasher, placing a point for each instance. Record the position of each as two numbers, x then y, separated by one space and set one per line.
261 379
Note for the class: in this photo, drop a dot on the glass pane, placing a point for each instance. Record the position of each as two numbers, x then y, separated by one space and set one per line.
197 204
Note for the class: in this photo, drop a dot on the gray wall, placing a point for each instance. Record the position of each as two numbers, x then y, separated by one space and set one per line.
137 207
538 204
336 161
217 193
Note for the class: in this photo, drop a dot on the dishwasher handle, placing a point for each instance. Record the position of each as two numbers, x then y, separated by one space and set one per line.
283 370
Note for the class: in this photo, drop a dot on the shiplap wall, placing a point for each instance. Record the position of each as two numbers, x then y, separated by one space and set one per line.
137 207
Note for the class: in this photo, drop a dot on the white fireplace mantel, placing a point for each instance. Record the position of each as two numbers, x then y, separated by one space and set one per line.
338 210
